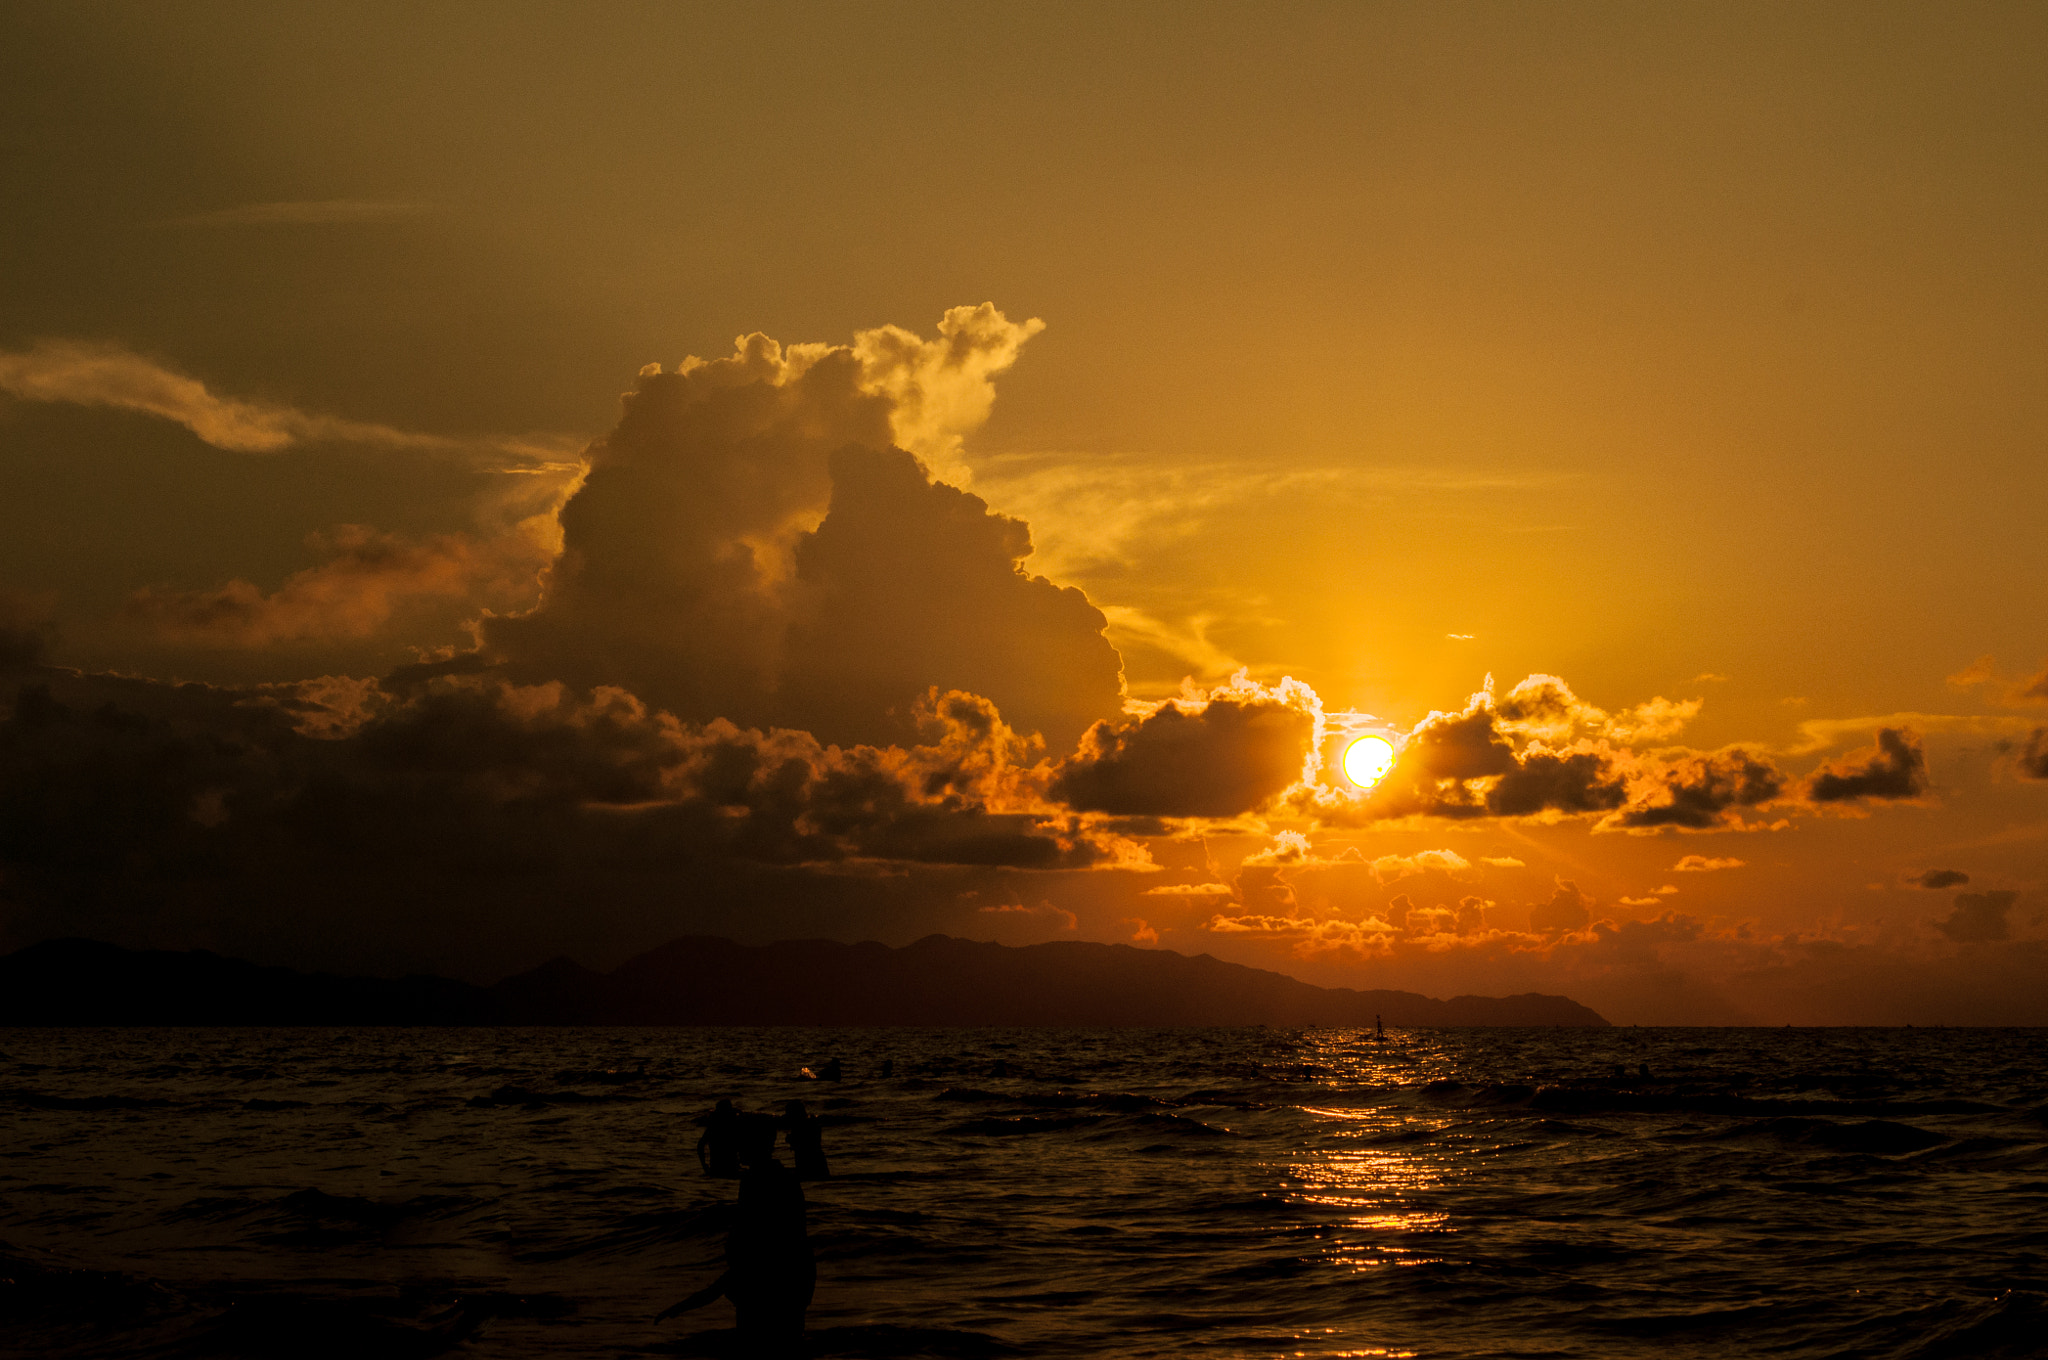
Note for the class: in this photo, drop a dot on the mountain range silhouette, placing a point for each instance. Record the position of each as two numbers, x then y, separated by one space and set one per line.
702 980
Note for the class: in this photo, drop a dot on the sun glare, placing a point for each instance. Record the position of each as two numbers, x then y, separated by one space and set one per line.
1367 760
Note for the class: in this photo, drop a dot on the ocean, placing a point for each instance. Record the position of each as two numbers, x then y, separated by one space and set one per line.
1065 1193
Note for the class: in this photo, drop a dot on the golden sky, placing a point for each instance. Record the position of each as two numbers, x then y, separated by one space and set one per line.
1634 413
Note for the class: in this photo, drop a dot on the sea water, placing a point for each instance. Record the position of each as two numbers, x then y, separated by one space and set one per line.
535 1192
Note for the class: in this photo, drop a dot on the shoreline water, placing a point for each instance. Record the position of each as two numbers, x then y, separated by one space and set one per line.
1092 1193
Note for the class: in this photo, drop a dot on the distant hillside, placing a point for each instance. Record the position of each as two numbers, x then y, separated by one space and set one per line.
699 980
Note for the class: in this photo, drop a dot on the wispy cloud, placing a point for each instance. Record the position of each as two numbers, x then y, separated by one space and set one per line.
366 578
105 375
1818 734
1188 643
1093 510
305 212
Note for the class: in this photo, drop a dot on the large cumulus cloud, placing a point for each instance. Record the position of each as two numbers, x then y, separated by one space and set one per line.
910 583
751 543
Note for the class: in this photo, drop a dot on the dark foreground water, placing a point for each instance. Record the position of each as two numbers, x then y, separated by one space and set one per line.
532 1193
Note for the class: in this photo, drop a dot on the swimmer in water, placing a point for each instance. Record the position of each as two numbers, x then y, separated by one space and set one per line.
718 1145
806 1135
770 1274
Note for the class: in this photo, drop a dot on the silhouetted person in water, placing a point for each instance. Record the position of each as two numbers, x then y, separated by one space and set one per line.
830 1071
718 1145
769 1274
888 1067
806 1135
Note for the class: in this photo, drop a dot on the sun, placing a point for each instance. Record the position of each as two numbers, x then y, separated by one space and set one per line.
1367 760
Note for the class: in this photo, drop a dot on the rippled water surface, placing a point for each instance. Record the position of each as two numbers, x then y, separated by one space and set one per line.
528 1193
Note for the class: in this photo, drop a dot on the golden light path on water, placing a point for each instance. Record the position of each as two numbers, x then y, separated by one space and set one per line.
1389 1196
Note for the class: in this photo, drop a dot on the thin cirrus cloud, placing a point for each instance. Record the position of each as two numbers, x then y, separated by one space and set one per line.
1820 734
2014 693
1188 642
1098 512
80 373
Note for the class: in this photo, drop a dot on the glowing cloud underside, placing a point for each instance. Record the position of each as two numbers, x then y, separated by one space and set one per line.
1367 760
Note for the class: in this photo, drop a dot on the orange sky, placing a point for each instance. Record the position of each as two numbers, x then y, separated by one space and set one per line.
1690 358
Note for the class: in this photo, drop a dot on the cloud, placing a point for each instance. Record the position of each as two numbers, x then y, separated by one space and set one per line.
2030 759
367 577
1938 878
1550 781
1188 643
1457 747
1502 862
1467 764
2015 693
1894 768
1099 512
910 583
1191 890
1309 934
1141 933
1703 864
415 812
1979 918
1702 791
1818 734
1544 706
1982 671
749 544
1288 847
1388 868
1541 752
939 390
107 375
1230 753
25 630
1060 917
1567 909
305 212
